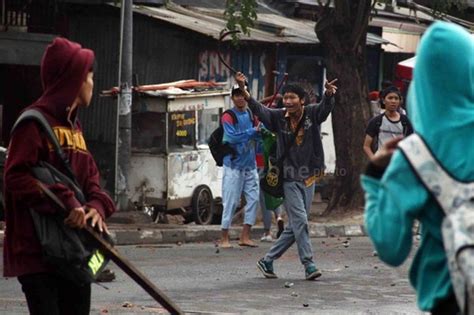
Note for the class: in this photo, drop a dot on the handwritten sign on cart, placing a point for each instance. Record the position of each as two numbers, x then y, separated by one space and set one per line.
183 123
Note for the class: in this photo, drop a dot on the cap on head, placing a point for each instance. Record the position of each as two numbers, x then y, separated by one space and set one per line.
236 89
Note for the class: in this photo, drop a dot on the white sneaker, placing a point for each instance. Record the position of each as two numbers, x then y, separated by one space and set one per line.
267 238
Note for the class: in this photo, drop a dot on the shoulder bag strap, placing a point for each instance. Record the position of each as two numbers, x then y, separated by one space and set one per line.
293 139
37 116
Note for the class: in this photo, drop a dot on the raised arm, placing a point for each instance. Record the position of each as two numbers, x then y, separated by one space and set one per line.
323 109
267 116
326 106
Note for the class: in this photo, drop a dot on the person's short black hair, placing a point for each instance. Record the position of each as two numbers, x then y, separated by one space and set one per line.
237 91
388 90
294 88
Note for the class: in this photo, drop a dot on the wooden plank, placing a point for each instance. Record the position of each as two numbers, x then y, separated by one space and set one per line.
122 262
134 273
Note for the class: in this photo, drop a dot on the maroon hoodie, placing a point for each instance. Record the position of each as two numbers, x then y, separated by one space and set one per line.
64 68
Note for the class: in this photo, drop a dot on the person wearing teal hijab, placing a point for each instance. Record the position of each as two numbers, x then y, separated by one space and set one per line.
441 109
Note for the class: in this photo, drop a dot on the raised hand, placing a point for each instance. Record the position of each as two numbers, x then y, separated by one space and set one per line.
330 87
240 79
384 154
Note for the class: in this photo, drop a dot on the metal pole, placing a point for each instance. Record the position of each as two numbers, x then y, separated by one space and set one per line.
124 119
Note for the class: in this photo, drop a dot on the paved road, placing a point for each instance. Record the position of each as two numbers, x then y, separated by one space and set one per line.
202 280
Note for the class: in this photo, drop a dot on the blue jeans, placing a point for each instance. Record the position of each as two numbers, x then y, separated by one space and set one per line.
234 183
298 199
267 214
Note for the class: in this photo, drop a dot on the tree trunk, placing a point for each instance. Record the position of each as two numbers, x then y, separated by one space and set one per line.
342 32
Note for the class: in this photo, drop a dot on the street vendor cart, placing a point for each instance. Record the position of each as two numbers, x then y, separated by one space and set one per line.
172 170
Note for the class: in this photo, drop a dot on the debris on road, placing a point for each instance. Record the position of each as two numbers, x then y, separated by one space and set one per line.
127 305
288 284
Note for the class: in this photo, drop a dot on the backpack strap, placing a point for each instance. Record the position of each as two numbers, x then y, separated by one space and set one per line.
378 122
378 119
35 115
448 192
405 124
234 117
232 114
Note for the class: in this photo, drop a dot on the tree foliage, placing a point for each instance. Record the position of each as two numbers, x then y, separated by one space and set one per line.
240 15
439 7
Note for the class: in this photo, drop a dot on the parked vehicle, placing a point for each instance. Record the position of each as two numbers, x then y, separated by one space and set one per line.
172 170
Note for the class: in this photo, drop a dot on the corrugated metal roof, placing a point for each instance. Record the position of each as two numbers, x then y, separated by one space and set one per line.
403 26
404 17
218 4
270 28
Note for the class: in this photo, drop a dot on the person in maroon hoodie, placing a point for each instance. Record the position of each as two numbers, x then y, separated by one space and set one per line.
67 77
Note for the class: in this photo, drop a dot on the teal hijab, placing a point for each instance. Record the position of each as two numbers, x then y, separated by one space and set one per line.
441 109
441 96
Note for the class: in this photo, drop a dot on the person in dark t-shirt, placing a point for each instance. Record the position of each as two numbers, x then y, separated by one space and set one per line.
388 125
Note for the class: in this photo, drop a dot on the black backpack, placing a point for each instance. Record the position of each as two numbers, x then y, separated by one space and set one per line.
73 253
219 149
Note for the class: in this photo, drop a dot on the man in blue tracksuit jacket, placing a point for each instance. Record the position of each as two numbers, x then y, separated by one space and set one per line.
240 169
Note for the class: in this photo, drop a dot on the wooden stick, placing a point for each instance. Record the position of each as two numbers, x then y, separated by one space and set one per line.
122 262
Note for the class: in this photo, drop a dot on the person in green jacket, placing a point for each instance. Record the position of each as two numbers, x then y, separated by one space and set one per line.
441 109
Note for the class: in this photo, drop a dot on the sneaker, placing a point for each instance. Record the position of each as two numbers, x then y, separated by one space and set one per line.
312 273
266 268
281 227
266 238
106 275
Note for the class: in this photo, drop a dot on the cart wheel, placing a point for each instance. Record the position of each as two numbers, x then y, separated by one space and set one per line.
203 205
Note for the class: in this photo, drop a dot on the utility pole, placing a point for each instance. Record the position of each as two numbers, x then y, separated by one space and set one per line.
124 116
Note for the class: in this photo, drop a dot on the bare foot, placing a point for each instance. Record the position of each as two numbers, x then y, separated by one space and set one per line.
248 243
225 244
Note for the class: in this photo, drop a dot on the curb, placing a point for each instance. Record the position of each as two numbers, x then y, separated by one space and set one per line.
195 234
132 235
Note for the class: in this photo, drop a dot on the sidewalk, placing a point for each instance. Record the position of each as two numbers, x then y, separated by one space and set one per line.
166 234
133 228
